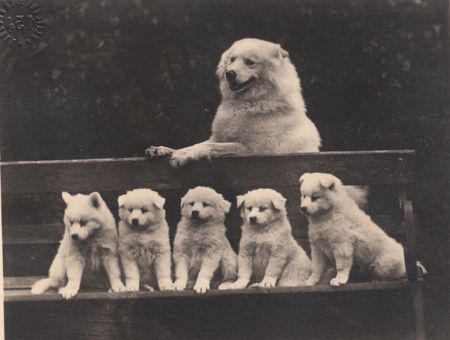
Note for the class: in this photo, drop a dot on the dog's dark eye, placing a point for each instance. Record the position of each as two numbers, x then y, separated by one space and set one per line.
232 59
314 198
206 204
130 209
191 204
144 210
249 62
249 208
82 223
261 209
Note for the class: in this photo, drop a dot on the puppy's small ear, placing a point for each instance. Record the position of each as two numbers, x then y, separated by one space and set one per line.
183 199
225 205
159 201
302 178
279 203
67 198
121 200
328 182
222 63
240 199
282 53
95 200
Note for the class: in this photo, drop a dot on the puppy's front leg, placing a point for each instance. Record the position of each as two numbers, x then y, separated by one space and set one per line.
131 271
75 267
343 256
245 259
206 149
181 271
273 270
209 265
162 269
112 268
318 264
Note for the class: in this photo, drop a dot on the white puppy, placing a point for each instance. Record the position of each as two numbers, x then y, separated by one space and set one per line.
144 245
269 256
89 241
341 233
200 245
262 109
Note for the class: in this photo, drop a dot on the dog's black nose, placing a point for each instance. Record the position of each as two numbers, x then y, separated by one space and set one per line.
74 237
135 221
194 213
253 219
304 209
231 75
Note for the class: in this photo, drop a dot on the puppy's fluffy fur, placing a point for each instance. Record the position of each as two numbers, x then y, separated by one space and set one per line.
144 246
341 233
200 245
89 241
262 109
268 254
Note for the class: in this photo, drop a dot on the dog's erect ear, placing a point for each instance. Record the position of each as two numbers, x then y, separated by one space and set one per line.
121 200
159 201
282 53
183 199
328 182
225 205
279 203
95 200
240 199
302 178
66 197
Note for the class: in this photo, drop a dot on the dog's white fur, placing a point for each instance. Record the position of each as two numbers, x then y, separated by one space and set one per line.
269 256
200 244
144 245
88 219
341 233
265 114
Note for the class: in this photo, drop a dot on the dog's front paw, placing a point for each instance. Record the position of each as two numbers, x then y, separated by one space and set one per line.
179 285
117 287
68 292
337 282
132 287
238 284
158 151
311 281
166 285
201 286
265 283
180 158
225 285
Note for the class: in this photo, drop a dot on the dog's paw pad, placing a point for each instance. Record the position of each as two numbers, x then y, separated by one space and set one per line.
67 293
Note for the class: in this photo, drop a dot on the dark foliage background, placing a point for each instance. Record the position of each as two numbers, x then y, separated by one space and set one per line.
110 78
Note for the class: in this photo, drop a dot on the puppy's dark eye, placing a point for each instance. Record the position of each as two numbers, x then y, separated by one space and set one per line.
249 62
206 204
191 204
249 208
261 209
82 223
314 198
130 209
144 210
71 222
232 59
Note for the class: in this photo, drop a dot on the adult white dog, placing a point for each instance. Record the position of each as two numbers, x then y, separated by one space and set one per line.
262 109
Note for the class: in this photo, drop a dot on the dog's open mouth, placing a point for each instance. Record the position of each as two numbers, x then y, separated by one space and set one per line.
236 87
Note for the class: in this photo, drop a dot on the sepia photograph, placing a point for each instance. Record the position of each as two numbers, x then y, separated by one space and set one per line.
225 170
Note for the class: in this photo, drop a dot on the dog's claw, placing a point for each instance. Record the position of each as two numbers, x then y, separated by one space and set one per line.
67 292
158 151
263 284
179 285
166 286
335 282
201 287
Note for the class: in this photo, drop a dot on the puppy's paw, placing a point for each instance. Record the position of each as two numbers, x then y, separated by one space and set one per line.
225 286
337 282
132 287
117 287
201 286
38 288
265 283
158 151
148 288
68 292
310 282
180 158
166 285
238 284
179 285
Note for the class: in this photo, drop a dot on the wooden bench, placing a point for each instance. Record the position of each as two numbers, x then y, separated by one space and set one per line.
32 227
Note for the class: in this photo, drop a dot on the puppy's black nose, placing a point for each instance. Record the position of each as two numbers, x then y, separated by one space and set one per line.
253 219
304 209
135 221
194 213
74 237
231 75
